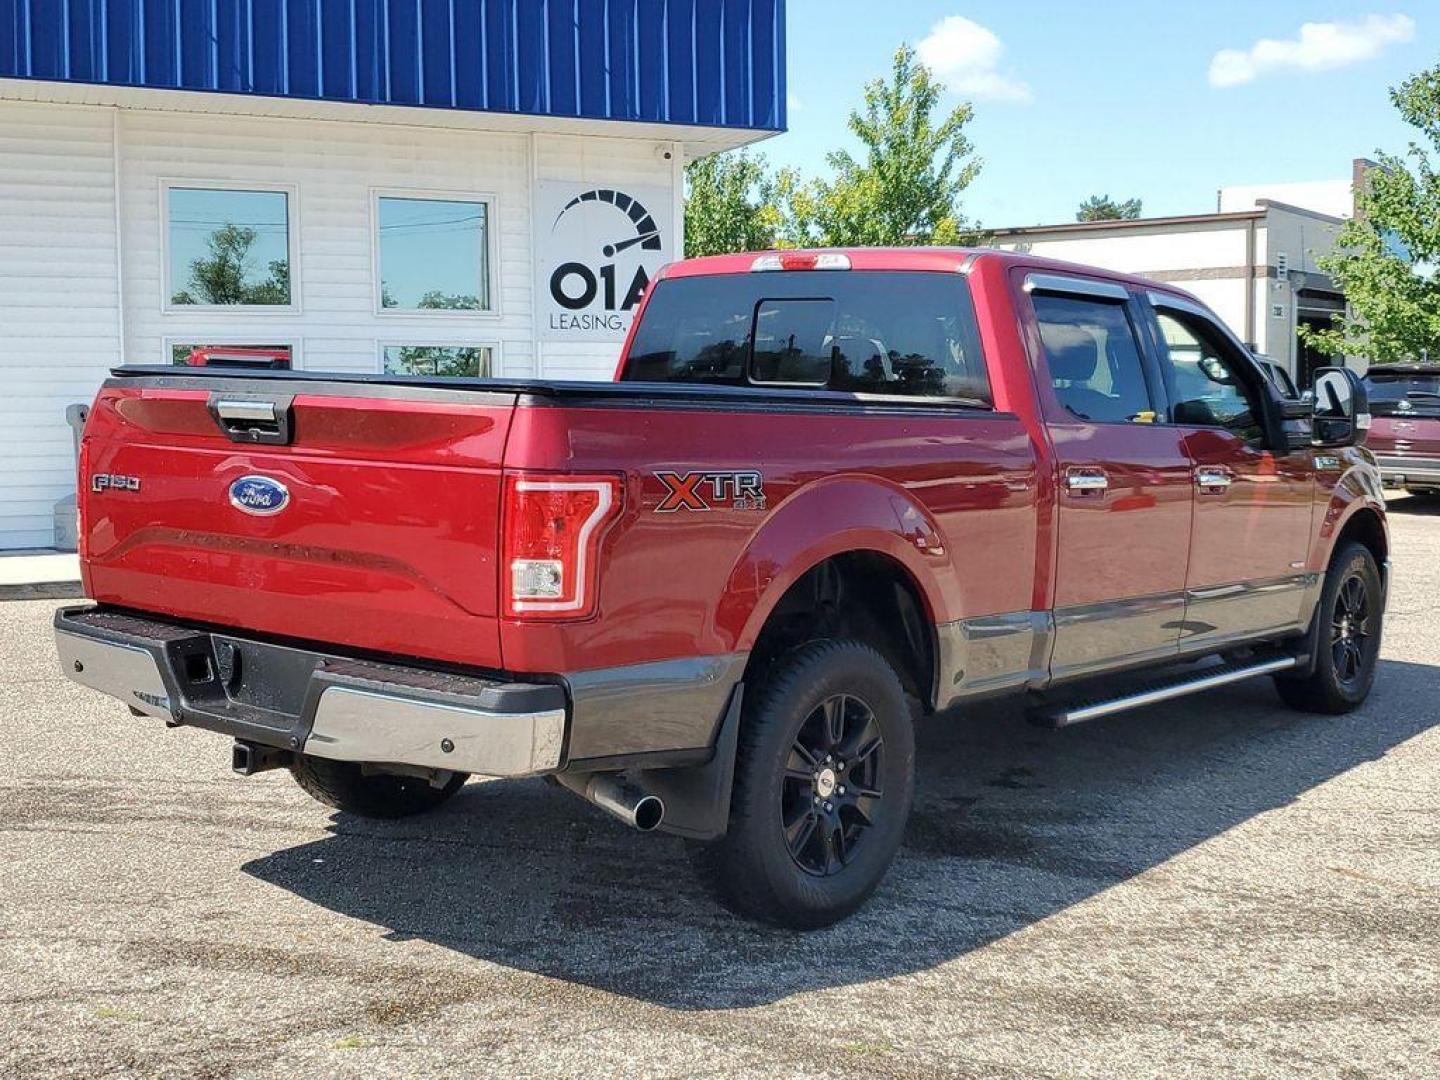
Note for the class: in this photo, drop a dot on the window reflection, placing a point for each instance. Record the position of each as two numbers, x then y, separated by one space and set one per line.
433 255
229 247
448 360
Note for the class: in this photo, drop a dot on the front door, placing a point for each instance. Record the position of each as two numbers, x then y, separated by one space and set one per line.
1124 483
1253 504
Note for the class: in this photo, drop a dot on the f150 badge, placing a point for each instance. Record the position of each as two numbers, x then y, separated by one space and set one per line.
259 495
113 482
701 491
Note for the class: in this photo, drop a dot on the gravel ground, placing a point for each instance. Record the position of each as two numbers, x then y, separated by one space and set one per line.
1215 885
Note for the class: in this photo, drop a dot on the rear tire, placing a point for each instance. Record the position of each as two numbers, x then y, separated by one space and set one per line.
1347 647
347 787
824 777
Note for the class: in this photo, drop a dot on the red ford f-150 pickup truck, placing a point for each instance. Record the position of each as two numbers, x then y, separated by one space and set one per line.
827 492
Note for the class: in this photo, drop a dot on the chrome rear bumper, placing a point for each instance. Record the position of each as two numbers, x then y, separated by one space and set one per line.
315 703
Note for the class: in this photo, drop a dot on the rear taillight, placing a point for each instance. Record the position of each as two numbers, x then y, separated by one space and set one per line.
552 530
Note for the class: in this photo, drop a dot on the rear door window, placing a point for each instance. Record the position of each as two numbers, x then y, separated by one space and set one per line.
888 333
1094 361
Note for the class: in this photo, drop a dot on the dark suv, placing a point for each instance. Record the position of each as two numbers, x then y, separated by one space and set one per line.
1405 435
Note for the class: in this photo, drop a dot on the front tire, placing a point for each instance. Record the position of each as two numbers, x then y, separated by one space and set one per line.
1347 646
824 777
347 787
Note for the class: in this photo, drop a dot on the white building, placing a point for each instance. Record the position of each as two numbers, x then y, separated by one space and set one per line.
353 186
1253 260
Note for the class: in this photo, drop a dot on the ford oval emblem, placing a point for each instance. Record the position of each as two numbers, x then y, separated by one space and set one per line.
259 495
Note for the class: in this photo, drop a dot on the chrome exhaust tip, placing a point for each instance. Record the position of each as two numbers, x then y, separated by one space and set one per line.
619 798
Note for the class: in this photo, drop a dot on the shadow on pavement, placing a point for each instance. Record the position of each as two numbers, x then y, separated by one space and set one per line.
1413 505
1011 825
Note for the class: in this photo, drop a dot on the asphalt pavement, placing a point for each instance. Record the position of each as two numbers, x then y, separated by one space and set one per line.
1215 885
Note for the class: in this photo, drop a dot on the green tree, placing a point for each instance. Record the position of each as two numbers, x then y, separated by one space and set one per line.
1385 258
227 277
1104 208
906 186
729 205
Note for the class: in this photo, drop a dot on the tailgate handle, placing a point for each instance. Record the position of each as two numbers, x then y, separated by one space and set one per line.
253 419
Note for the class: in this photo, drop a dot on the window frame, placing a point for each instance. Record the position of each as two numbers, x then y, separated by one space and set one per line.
292 244
491 201
249 339
1112 294
496 353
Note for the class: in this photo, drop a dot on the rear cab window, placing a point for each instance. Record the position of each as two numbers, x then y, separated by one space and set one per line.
888 333
1407 393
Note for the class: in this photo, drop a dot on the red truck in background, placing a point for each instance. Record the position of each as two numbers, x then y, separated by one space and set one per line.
828 491
1405 436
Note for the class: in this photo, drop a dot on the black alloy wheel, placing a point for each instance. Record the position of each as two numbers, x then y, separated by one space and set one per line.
824 778
1350 629
1345 637
832 791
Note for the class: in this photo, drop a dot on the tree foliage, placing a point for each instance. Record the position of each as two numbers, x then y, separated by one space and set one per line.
729 205
1104 208
227 277
1385 258
446 360
906 186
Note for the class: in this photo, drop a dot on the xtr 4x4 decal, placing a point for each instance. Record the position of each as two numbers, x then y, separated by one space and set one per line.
744 490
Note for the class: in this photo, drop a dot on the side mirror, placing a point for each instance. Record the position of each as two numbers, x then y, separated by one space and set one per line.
1342 407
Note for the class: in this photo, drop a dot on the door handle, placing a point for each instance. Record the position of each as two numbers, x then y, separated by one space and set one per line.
1213 480
1086 481
265 420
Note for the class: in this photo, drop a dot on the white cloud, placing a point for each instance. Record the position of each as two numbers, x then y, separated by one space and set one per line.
793 103
1318 47
965 56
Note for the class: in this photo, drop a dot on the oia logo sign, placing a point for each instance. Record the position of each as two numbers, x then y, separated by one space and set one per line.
603 246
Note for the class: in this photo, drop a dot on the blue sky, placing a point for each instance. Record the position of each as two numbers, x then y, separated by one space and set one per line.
1121 97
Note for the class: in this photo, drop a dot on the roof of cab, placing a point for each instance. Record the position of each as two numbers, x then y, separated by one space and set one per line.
935 259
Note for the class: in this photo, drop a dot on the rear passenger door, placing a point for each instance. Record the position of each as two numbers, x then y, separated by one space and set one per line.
1124 482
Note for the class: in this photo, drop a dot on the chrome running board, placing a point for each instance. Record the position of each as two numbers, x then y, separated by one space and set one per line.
1065 715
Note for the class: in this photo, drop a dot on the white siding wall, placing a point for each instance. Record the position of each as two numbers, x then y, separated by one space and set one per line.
336 167
58 297
59 288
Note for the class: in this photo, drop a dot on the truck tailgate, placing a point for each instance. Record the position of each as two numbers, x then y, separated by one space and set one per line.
387 540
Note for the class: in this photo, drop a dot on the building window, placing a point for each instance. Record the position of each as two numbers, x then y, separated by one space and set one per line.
228 247
461 361
433 253
191 354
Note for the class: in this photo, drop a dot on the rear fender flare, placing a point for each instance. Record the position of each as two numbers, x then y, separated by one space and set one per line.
832 517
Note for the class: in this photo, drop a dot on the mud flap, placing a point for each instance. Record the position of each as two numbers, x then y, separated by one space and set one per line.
697 797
